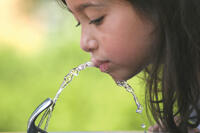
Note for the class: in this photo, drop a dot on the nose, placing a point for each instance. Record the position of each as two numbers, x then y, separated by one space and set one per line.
88 41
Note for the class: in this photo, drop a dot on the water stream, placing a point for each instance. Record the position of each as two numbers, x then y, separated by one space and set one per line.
139 109
68 78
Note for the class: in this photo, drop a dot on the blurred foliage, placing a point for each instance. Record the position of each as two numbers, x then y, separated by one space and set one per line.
92 102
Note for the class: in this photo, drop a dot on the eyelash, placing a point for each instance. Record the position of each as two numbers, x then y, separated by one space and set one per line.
77 25
95 21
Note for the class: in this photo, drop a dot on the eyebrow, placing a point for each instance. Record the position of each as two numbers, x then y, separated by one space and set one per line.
83 6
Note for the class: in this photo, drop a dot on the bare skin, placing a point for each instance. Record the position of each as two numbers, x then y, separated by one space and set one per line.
119 39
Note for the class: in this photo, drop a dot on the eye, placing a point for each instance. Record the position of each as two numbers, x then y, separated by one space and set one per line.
97 21
77 25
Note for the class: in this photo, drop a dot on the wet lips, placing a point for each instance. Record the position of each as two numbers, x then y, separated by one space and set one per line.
103 67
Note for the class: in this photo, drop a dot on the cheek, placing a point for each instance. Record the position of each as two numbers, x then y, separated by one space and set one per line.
126 39
125 46
115 43
118 49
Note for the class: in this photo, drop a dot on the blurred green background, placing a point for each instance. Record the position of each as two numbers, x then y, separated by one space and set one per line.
39 45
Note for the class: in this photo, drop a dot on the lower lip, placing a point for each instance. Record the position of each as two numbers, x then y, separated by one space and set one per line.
104 67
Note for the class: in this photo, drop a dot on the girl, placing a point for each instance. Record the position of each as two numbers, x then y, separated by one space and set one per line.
158 36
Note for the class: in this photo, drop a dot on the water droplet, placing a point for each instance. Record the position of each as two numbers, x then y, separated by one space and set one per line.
75 72
90 64
81 67
138 111
143 125
68 78
130 90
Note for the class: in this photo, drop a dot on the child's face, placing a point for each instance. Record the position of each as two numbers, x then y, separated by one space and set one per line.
120 41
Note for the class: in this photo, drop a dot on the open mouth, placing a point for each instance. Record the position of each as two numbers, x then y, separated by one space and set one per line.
102 65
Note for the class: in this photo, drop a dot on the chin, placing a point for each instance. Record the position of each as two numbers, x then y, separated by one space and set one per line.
116 77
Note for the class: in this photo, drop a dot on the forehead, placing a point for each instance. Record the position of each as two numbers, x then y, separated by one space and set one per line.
87 1
78 4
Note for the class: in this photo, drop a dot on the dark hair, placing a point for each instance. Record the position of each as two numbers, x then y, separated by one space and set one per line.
173 87
173 78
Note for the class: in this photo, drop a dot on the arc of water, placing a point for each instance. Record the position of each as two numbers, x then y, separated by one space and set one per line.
67 79
139 106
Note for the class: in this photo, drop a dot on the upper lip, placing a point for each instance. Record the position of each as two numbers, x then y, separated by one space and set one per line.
97 62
